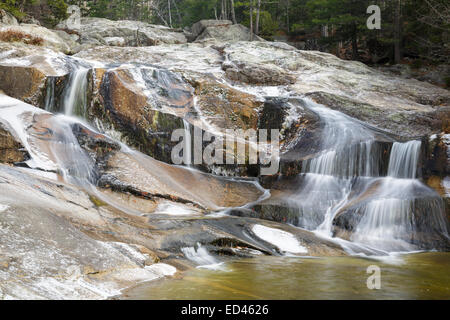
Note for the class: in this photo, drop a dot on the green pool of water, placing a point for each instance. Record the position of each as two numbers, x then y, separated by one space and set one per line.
419 276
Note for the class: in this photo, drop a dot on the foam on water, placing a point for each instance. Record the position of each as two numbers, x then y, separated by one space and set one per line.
200 256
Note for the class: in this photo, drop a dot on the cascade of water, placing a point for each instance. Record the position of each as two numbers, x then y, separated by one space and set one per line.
394 213
391 220
348 151
400 216
75 94
73 162
49 103
201 257
404 159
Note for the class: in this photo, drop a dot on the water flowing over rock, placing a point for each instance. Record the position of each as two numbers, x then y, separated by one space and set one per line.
364 160
346 191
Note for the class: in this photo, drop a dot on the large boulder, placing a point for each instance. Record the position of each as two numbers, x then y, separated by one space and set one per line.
227 33
25 71
100 31
143 104
33 34
404 107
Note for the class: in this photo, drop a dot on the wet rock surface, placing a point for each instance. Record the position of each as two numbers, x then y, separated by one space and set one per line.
356 144
69 245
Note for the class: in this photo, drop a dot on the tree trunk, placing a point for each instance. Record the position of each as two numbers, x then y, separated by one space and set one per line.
222 15
178 12
251 20
233 13
170 13
355 45
397 32
287 16
257 17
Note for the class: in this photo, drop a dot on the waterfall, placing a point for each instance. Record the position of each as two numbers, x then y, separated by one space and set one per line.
404 160
395 212
391 220
75 94
349 150
73 162
49 103
403 212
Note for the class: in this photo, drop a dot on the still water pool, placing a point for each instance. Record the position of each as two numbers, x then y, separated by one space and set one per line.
415 276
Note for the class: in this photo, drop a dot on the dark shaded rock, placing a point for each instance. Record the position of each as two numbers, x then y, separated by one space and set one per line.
437 155
273 113
277 212
99 147
11 151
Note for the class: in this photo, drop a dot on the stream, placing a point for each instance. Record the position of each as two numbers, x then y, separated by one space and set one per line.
418 276
361 190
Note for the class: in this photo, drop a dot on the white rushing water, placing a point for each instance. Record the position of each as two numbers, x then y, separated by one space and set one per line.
202 258
404 160
346 175
75 95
